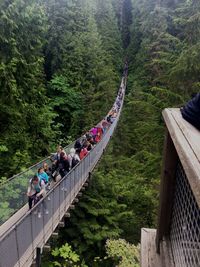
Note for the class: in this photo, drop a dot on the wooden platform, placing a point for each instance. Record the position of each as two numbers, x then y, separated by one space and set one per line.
149 257
186 139
182 143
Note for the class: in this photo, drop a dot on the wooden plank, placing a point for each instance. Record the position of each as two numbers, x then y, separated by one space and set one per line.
189 131
186 155
149 257
166 254
144 248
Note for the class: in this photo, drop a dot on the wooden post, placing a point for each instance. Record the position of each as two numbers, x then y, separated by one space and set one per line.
170 161
38 257
67 215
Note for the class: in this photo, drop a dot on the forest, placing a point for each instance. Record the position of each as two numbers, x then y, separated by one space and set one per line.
60 67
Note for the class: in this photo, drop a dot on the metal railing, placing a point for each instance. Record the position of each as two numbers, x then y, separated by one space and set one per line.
185 224
18 244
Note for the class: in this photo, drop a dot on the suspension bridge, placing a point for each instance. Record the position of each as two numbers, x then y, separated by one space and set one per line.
23 234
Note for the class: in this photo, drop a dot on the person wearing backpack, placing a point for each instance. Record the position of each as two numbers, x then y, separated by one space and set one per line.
98 138
109 118
83 153
78 145
73 158
88 136
93 132
89 146
63 165
43 175
47 169
105 125
56 156
99 132
36 190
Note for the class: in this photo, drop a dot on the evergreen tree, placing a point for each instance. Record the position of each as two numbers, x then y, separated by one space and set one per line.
25 116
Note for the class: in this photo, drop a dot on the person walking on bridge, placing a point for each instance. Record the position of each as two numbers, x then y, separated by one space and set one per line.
36 190
43 175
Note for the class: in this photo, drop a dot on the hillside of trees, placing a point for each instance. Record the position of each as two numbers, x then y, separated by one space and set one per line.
60 67
59 74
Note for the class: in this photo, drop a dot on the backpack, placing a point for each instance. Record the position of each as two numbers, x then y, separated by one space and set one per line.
77 144
44 177
74 162
54 172
88 136
109 118
36 187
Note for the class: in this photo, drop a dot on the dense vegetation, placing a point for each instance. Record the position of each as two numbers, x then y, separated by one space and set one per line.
60 65
59 73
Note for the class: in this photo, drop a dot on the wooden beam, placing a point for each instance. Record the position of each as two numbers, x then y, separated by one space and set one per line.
61 224
47 248
170 161
55 234
148 255
67 215
76 200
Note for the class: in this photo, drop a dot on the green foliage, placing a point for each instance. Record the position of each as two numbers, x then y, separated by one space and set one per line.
79 49
25 115
126 254
66 257
67 104
58 74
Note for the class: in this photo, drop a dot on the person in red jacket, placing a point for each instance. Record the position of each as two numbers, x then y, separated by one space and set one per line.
98 138
83 153
100 131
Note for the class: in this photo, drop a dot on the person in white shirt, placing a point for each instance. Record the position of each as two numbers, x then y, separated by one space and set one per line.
73 158
36 190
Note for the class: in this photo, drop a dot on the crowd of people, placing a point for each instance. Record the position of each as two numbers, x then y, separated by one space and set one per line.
63 163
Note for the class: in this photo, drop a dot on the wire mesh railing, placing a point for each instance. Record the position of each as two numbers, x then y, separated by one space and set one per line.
18 244
185 224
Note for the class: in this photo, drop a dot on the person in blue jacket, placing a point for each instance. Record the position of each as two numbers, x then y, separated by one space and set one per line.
42 175
191 111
